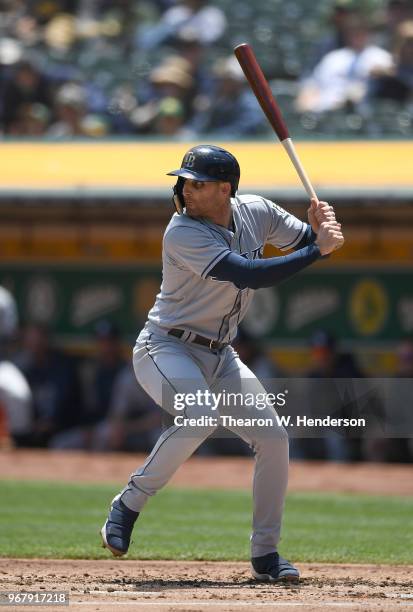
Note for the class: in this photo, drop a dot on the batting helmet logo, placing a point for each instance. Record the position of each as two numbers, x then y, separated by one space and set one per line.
189 160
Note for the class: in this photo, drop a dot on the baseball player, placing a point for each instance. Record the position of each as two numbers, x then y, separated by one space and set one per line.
212 262
15 394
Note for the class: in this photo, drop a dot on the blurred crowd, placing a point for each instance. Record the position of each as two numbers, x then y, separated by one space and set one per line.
52 399
95 68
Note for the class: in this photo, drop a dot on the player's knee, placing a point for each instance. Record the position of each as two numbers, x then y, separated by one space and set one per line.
272 441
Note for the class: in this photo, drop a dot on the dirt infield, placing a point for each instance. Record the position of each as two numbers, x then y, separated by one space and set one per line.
193 586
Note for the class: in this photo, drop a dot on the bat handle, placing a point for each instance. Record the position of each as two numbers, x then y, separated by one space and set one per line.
288 145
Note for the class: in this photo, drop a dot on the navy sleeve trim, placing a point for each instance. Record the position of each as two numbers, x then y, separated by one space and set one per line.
308 238
296 240
214 261
259 273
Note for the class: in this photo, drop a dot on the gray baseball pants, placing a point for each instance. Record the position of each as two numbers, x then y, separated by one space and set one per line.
165 363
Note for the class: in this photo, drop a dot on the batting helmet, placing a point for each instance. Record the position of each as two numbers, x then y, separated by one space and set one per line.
205 163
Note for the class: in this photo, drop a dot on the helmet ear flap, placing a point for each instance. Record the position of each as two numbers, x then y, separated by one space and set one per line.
178 197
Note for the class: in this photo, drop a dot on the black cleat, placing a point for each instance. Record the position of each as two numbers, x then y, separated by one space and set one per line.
273 568
117 530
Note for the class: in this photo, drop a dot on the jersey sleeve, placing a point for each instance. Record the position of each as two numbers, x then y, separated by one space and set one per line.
197 250
285 230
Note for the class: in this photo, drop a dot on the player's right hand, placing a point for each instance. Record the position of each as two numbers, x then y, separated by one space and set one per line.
319 212
329 237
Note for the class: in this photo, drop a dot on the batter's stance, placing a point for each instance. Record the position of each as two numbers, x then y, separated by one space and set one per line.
212 251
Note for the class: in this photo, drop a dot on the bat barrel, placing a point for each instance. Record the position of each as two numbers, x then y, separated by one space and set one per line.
258 83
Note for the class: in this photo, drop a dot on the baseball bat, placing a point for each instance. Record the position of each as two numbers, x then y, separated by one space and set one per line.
259 85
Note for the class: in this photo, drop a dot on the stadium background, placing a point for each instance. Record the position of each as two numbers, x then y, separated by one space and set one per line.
81 239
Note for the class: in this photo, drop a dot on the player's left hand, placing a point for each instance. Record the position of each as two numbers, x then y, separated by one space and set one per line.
320 212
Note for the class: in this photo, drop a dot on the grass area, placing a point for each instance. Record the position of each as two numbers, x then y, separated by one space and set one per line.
43 519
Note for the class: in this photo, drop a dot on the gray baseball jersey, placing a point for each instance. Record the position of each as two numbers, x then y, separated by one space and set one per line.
189 298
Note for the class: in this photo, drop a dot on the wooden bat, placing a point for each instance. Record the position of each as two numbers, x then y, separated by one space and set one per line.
259 85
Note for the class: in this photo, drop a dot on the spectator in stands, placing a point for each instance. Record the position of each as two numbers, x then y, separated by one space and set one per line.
341 77
95 126
405 359
232 110
19 22
205 21
16 415
252 353
114 22
397 12
327 362
171 79
54 382
101 372
189 47
340 20
118 414
98 378
404 369
400 450
133 420
396 81
60 34
26 86
31 120
170 118
70 110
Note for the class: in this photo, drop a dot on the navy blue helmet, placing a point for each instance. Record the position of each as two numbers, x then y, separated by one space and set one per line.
205 163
